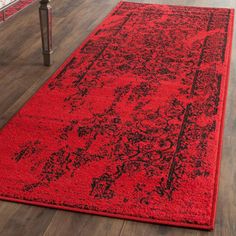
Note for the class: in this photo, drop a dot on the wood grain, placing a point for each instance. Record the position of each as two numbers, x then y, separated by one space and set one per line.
22 73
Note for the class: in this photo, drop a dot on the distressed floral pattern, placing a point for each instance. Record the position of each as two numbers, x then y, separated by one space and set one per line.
129 125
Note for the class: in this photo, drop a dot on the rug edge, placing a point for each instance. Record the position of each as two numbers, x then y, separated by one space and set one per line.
116 216
219 155
179 5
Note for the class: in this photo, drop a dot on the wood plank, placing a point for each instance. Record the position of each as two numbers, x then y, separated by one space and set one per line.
7 209
83 224
28 221
67 223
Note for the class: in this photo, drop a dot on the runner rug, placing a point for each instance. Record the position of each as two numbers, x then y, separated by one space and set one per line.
12 9
130 126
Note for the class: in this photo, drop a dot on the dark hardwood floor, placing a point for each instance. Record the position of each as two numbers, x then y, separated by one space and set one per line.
22 73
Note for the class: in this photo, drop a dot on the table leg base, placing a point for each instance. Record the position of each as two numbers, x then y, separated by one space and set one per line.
47 59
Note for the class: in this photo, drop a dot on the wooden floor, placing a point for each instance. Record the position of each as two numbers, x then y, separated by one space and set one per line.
22 73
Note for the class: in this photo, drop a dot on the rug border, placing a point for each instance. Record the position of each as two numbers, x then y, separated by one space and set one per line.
220 144
219 154
173 5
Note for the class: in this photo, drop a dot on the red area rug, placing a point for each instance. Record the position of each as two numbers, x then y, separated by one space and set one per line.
130 126
15 8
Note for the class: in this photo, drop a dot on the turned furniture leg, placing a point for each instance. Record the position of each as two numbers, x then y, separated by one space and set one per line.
45 14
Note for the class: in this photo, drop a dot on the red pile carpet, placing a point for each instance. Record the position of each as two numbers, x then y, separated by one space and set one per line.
15 8
130 126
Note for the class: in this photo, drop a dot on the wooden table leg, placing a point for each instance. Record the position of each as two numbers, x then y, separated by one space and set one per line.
45 14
